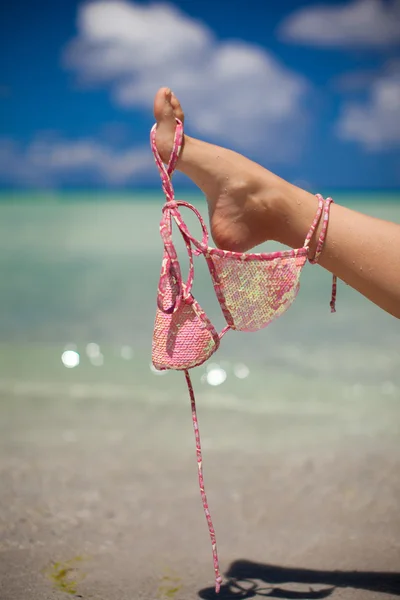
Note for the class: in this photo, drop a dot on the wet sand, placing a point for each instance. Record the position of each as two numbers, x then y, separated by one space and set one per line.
304 507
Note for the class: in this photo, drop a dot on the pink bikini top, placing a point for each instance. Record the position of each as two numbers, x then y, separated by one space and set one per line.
252 289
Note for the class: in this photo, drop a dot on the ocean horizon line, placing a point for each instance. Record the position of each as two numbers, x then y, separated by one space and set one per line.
155 194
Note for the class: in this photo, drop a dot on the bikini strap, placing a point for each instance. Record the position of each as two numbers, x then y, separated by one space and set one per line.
171 210
320 244
176 148
324 229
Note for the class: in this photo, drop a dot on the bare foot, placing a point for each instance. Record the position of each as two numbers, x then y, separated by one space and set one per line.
244 199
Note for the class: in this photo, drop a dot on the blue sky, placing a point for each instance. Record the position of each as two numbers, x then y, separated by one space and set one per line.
308 89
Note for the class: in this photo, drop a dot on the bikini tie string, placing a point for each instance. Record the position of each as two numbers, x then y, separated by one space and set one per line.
171 211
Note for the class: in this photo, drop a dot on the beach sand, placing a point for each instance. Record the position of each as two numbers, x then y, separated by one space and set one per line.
303 507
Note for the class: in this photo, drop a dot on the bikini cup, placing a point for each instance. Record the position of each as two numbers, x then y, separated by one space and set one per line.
254 289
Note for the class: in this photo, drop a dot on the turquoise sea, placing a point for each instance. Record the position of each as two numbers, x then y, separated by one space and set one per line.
81 269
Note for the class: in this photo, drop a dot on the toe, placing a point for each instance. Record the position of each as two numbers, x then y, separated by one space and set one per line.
163 109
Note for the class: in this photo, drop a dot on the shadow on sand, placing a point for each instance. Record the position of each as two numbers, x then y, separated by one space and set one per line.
243 577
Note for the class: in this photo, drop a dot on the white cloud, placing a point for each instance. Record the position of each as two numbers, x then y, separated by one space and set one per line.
375 123
46 162
231 91
357 24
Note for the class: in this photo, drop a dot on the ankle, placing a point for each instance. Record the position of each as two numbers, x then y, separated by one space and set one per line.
293 210
264 208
